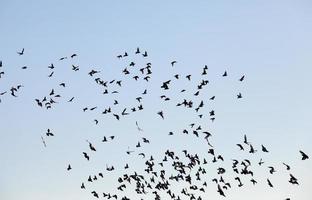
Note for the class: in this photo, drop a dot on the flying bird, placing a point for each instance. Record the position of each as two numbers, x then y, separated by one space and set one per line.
49 133
21 52
304 156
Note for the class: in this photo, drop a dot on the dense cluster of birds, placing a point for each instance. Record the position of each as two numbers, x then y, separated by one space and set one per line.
185 168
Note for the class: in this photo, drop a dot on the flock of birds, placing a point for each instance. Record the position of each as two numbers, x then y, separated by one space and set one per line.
159 177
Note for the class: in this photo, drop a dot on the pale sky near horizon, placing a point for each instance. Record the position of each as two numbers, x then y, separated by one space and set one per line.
267 41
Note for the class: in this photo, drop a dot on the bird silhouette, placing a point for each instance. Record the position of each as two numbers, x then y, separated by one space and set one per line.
86 155
21 52
49 133
304 156
161 114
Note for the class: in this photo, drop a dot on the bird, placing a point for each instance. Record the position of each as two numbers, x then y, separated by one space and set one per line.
138 127
92 148
304 155
21 52
116 116
260 162
245 139
73 55
86 155
272 170
51 74
240 146
269 183
69 167
137 50
51 66
71 99
188 77
224 74
173 62
239 96
287 166
48 133
161 114
264 149
43 141
242 78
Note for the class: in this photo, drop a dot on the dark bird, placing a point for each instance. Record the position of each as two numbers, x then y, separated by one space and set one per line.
142 154
92 72
272 170
116 116
304 156
73 55
293 180
24 67
242 78
245 140
260 162
93 108
71 99
75 68
82 186
212 98
21 52
51 74
188 77
51 66
124 112
269 183
224 74
220 191
137 51
264 149
161 114
144 54
253 181
86 155
69 167
173 62
63 58
239 96
62 84
287 166
48 133
240 147
91 146
95 194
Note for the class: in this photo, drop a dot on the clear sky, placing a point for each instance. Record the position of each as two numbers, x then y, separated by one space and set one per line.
267 41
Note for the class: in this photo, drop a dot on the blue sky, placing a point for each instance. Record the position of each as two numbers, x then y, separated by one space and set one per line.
268 41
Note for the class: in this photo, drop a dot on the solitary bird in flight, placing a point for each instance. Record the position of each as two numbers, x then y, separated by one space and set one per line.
21 52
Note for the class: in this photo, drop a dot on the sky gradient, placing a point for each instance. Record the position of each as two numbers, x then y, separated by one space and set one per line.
268 41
